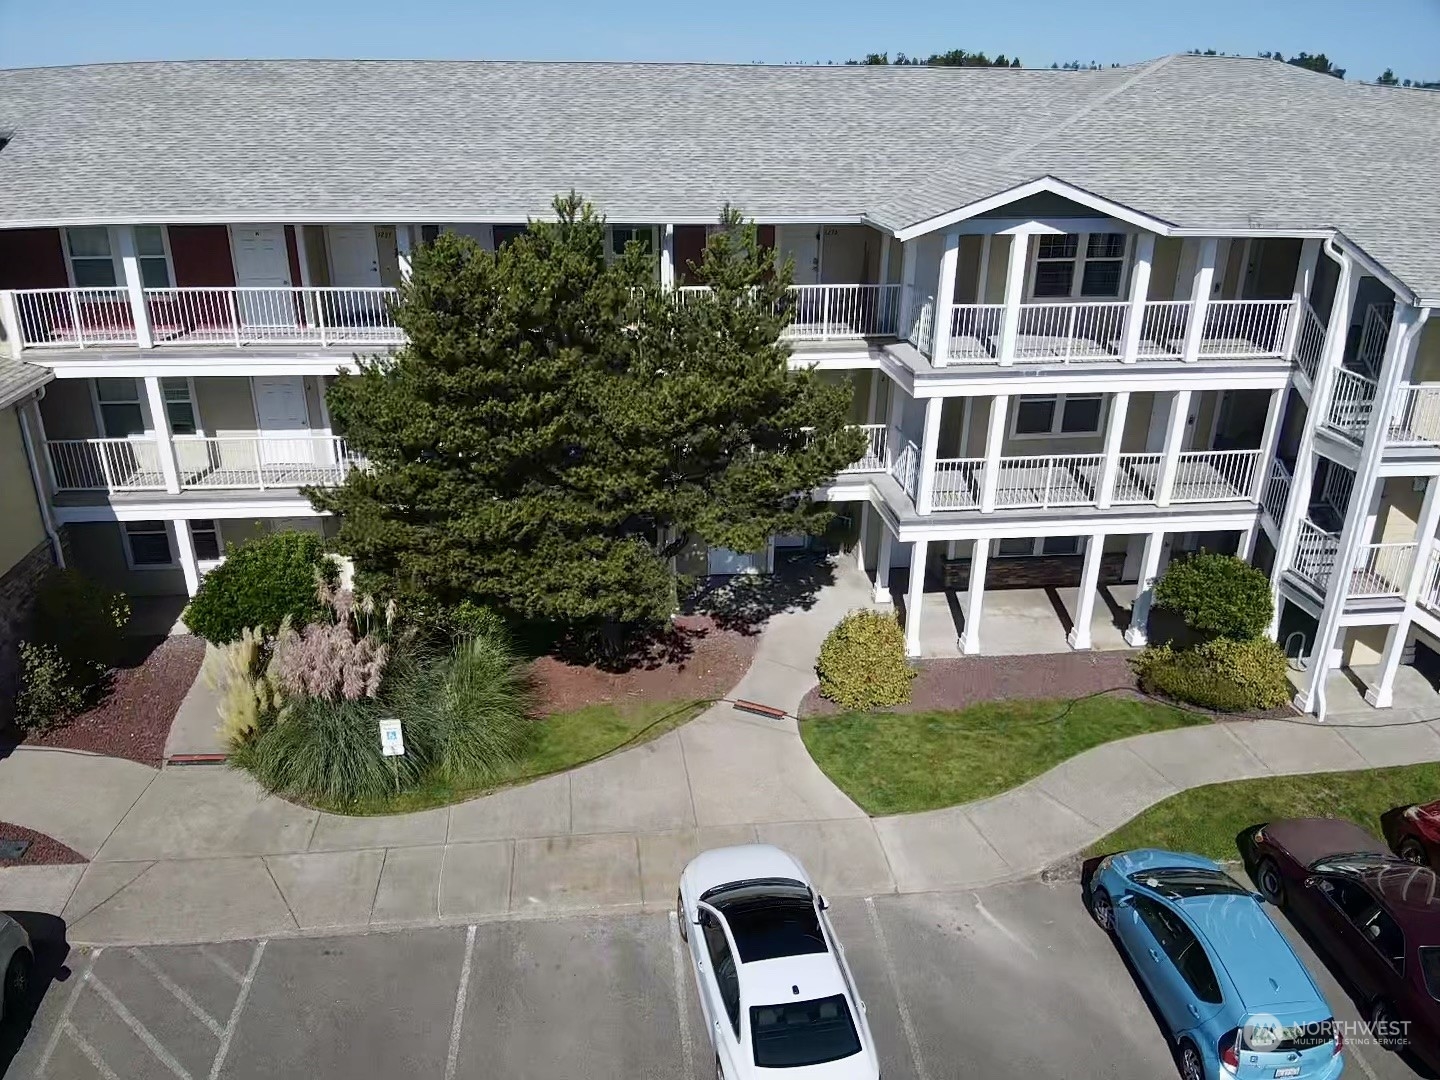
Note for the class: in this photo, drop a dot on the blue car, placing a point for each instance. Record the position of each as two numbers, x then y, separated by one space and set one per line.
1238 1001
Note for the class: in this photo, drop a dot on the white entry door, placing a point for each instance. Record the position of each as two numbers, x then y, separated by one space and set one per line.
284 420
261 263
354 256
801 243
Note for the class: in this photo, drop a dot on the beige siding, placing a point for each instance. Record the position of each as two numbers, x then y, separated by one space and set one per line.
1275 258
388 256
967 271
1203 404
999 262
1427 355
317 255
1399 511
97 550
1137 423
226 405
1364 646
18 506
1229 269
67 410
1115 543
848 249
1163 268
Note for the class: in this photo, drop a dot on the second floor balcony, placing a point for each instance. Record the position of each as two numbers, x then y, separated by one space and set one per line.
258 463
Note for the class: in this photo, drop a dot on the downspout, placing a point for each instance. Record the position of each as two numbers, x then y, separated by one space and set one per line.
46 520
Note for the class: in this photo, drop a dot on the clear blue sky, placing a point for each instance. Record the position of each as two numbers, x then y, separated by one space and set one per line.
1364 36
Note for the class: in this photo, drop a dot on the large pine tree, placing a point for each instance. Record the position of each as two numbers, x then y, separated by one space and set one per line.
558 426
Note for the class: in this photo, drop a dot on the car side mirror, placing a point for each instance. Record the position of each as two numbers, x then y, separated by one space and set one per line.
1125 900
1312 882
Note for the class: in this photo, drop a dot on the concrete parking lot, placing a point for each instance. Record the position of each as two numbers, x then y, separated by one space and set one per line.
1010 981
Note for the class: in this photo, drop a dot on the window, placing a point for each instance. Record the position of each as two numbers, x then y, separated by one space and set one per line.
1188 956
1022 547
722 965
1349 896
154 263
179 406
91 263
205 538
1076 265
621 235
119 403
148 543
1059 414
797 1033
503 234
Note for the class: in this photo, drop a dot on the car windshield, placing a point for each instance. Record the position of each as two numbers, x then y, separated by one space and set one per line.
796 1033
1266 1035
1430 968
1178 884
1352 858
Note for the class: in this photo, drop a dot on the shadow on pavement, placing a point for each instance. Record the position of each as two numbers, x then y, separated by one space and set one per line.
52 950
745 602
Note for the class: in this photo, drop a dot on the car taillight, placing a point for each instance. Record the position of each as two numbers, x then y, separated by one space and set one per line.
1229 1055
1339 1038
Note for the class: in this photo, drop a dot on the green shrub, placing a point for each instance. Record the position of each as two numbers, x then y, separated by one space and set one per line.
862 662
259 583
1217 595
81 618
52 691
465 619
1226 675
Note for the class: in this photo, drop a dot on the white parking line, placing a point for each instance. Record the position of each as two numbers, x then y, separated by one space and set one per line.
453 1057
91 1054
141 1031
61 1023
245 984
687 1046
905 1022
178 993
1364 1065
223 964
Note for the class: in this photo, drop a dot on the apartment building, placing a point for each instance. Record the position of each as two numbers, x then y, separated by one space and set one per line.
1091 318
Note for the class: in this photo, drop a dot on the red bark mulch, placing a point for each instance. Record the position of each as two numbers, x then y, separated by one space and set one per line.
43 850
960 682
133 721
697 661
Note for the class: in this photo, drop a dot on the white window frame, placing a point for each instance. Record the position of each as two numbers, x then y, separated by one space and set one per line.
194 402
215 523
1082 246
130 562
1037 548
610 230
142 399
117 264
1058 418
165 247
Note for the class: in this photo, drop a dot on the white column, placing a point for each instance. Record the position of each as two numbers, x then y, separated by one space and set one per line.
860 543
1269 440
404 241
124 239
893 420
994 439
929 441
1138 633
1246 548
1114 433
979 560
164 442
882 566
185 548
1139 291
10 341
945 298
1382 694
667 256
1200 287
1079 636
909 252
1014 290
1174 441
914 597
1304 281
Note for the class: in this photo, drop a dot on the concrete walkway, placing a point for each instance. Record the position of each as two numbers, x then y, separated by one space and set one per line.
201 853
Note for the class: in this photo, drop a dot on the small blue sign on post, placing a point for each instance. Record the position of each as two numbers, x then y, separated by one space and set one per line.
392 739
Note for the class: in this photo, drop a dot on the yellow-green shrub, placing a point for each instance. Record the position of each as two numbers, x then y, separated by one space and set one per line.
1223 674
862 663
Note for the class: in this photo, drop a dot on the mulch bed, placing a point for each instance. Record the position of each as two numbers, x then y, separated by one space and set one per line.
697 661
960 682
133 721
43 850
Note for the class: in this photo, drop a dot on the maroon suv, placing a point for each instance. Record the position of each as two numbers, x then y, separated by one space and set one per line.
1375 915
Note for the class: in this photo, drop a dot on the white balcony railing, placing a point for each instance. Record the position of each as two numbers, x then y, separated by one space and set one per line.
1374 335
1064 332
841 312
1137 479
1417 415
262 462
1382 570
1277 491
957 483
105 465
1051 480
1215 475
920 328
906 469
873 460
1309 342
74 318
1430 591
1315 554
1351 402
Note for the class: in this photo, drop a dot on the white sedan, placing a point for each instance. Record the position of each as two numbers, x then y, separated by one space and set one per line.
778 996
17 963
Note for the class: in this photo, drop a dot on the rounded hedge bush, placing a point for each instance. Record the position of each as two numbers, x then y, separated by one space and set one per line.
260 582
1217 595
862 662
1225 675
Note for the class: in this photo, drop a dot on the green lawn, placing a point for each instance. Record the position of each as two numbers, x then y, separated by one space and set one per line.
562 741
1207 819
896 763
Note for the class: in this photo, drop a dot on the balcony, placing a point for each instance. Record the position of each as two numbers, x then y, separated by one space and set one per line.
1380 570
1277 491
873 460
1096 332
241 462
1414 422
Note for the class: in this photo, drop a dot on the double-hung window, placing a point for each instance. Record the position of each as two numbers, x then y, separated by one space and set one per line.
1079 266
1022 547
205 537
118 402
179 406
1038 416
92 264
147 544
622 235
154 263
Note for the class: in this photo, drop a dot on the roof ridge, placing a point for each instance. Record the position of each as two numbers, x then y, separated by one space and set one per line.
1145 70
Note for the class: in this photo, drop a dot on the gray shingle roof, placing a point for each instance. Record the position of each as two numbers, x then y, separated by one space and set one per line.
17 380
1200 142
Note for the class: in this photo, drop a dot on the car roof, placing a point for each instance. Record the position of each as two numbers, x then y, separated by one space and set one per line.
773 982
1260 964
1309 840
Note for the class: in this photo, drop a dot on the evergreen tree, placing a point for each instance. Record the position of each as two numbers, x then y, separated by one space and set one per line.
1387 78
557 427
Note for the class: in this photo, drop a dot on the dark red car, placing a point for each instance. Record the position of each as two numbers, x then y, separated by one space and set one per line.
1375 915
1414 833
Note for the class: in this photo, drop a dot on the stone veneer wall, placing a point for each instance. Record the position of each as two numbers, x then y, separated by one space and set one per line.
17 601
1061 571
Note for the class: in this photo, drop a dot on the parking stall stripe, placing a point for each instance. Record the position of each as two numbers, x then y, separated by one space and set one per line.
452 1058
64 1020
91 1054
178 993
153 1044
905 1021
687 1047
239 1008
223 964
